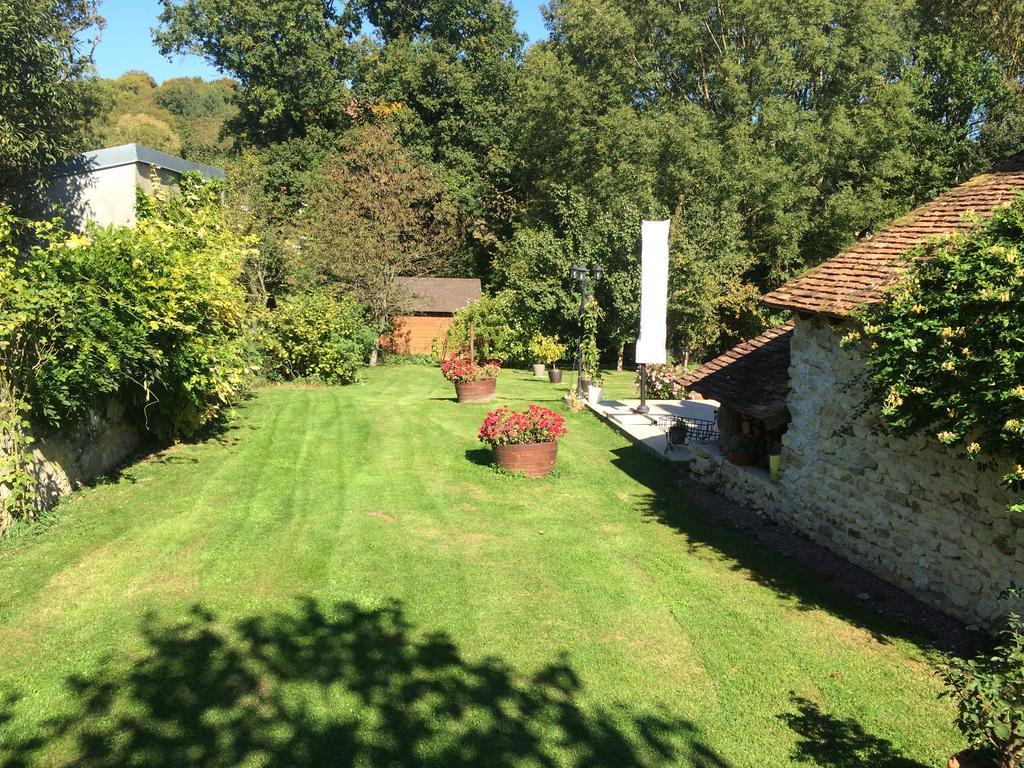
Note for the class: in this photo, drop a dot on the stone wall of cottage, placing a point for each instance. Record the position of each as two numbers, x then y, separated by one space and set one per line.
912 511
64 462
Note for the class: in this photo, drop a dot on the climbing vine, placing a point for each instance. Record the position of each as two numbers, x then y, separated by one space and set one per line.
945 347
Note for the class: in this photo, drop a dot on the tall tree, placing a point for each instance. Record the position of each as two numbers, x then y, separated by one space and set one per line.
453 65
291 58
378 213
46 95
785 130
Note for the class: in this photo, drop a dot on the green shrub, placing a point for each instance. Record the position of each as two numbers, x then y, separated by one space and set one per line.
498 332
943 349
417 359
989 694
316 336
546 349
153 315
590 355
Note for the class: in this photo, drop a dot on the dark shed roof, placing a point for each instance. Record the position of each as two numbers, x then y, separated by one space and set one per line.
440 294
752 377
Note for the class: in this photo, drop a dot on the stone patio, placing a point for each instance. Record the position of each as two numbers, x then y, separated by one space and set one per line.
643 429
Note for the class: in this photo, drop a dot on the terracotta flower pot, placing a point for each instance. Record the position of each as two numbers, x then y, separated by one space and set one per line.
741 459
969 759
555 376
532 459
476 391
538 369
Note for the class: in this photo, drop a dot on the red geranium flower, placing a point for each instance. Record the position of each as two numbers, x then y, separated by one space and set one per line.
460 369
534 425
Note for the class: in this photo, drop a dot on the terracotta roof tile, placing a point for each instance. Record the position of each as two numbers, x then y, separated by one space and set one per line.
860 274
752 377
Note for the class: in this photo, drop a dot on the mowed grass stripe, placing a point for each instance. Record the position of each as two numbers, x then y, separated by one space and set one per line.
602 586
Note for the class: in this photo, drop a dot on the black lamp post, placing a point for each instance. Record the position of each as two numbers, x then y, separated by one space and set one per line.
579 274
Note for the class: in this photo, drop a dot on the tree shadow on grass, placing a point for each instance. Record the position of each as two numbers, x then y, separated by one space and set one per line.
483 457
829 742
226 431
340 686
668 503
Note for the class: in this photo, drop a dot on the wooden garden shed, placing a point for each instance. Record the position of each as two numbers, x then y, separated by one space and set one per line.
431 304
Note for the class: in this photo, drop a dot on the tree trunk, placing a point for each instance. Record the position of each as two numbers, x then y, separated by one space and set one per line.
620 359
375 351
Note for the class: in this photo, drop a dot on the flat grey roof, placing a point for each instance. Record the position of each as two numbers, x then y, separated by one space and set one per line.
130 154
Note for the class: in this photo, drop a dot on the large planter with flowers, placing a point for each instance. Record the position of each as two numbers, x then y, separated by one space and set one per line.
475 391
474 382
524 441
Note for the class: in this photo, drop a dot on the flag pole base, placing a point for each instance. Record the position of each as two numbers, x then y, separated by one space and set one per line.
643 408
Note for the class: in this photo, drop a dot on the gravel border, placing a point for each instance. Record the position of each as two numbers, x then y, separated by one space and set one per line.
944 632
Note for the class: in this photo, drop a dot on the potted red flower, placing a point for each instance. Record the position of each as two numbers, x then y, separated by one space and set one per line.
525 441
474 382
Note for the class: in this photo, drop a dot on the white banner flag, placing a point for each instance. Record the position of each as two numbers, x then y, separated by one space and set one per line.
650 347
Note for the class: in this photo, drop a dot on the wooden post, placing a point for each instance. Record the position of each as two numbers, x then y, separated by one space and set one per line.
472 342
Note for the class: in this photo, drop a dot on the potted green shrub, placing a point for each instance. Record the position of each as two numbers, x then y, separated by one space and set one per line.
678 433
590 360
474 382
596 392
524 441
536 348
989 694
742 450
550 350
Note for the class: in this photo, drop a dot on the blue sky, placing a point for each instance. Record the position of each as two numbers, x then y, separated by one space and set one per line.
127 42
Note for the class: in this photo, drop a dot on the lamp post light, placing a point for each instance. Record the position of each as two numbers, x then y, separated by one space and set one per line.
579 274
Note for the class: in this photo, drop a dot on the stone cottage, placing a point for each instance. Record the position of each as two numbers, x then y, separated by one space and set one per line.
912 511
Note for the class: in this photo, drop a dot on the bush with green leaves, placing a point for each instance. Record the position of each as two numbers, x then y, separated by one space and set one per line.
153 315
497 329
316 336
989 693
590 354
413 359
944 350
546 349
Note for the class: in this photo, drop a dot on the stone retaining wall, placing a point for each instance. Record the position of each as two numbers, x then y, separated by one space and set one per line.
63 463
912 511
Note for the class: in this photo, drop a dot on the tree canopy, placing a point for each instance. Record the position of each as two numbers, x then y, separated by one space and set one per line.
772 132
45 94
184 115
291 59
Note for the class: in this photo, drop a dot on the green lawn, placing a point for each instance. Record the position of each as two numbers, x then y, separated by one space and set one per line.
341 579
